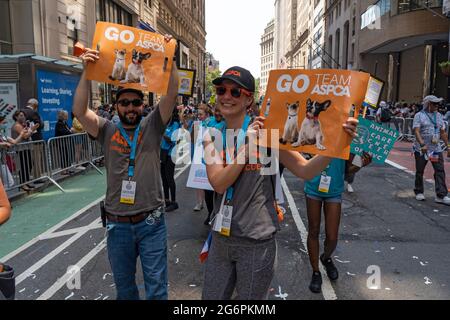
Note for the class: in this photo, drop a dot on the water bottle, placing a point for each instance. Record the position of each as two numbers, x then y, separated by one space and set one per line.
266 114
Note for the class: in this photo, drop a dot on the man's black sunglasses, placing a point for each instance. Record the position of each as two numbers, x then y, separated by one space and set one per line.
126 102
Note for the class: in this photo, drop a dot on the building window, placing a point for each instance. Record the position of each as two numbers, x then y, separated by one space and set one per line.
411 5
148 3
72 39
354 26
374 12
109 11
5 27
318 17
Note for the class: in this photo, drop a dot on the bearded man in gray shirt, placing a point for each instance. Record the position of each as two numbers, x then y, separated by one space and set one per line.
134 204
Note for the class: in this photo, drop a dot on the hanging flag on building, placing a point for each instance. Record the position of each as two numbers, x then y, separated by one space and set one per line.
145 26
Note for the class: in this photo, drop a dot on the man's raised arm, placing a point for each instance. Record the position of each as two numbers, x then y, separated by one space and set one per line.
168 102
87 117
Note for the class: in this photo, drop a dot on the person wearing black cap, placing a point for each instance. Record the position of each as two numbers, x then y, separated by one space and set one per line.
134 203
242 252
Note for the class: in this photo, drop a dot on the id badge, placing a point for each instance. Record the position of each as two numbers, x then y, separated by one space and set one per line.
128 194
435 139
325 182
227 214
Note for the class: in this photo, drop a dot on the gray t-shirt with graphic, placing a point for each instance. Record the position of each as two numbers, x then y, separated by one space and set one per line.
254 213
147 169
430 124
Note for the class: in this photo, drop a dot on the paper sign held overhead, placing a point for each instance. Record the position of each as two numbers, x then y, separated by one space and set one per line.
132 58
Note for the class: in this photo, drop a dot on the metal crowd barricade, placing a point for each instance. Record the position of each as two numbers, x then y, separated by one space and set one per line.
397 123
69 152
408 131
39 161
404 127
25 163
96 150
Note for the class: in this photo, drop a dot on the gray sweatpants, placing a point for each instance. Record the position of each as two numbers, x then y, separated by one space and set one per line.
242 264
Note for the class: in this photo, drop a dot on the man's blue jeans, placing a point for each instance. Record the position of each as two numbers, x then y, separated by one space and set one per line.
125 243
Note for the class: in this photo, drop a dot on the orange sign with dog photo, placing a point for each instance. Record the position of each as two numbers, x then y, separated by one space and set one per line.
309 107
132 58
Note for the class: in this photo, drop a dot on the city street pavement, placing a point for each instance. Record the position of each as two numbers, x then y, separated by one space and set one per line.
383 228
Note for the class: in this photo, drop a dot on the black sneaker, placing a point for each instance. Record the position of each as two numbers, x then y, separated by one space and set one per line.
172 207
332 271
316 283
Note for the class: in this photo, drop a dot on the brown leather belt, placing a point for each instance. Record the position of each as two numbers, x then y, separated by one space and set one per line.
131 219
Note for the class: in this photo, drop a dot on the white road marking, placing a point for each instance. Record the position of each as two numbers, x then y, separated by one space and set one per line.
71 231
396 165
51 230
181 171
52 254
281 295
327 289
60 282
63 280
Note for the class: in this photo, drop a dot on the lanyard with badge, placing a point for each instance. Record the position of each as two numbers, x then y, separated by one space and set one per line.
436 135
325 182
222 223
128 194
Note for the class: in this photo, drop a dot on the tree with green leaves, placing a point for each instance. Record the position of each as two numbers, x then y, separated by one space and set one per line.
210 92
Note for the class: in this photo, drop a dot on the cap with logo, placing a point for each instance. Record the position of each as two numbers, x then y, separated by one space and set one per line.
239 75
121 91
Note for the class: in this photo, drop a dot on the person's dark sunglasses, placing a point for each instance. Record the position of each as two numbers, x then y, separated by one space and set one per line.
235 92
126 102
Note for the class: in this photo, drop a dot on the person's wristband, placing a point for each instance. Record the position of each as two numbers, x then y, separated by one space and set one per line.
422 145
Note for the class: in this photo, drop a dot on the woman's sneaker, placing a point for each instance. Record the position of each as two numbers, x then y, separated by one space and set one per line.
332 271
316 283
198 207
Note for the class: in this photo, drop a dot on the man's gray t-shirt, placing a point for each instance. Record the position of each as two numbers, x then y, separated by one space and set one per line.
147 169
429 124
254 213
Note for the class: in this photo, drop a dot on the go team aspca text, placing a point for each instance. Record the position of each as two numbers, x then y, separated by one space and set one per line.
225 310
146 41
326 84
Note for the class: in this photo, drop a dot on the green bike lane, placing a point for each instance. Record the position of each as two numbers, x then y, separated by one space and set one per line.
36 213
